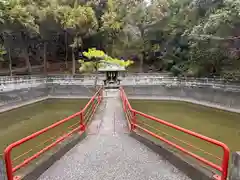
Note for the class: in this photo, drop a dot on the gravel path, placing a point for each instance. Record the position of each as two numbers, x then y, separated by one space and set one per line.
108 152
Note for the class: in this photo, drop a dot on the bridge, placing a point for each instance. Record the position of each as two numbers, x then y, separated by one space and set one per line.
113 145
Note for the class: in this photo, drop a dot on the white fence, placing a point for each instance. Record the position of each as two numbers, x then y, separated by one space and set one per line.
18 82
174 81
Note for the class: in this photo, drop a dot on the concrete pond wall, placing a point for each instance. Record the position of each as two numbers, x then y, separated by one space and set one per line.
214 97
211 92
19 97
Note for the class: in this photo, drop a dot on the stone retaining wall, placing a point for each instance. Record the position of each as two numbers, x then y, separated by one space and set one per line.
20 97
202 91
71 90
220 98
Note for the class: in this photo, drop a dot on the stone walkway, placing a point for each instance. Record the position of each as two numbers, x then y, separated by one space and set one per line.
108 152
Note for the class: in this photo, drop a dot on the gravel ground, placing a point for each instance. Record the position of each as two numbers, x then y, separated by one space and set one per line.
109 153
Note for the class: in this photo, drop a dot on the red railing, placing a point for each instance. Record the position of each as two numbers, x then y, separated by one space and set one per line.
84 115
131 115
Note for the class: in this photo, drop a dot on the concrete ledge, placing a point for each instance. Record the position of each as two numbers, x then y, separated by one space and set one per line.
69 97
48 160
193 171
9 107
207 104
224 99
16 98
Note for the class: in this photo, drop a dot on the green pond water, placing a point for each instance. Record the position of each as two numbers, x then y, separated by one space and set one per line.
21 122
217 124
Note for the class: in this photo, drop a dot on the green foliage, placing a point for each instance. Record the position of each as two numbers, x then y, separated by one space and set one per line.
97 59
88 66
198 37
2 11
187 37
81 18
122 63
94 53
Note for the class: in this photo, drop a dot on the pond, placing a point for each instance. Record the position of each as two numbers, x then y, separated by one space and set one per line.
217 124
21 122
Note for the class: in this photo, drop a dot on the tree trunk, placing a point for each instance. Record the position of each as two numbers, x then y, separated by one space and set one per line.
141 63
27 61
45 58
66 49
10 61
28 64
142 56
73 62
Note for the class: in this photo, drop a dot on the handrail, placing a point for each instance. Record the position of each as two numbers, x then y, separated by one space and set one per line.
10 170
133 125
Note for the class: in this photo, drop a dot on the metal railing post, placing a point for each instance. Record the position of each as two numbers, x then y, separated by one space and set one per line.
82 126
133 120
225 161
99 97
124 104
8 163
93 105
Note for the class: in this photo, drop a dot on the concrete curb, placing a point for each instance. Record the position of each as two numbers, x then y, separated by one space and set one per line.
9 107
68 97
50 158
193 171
203 103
